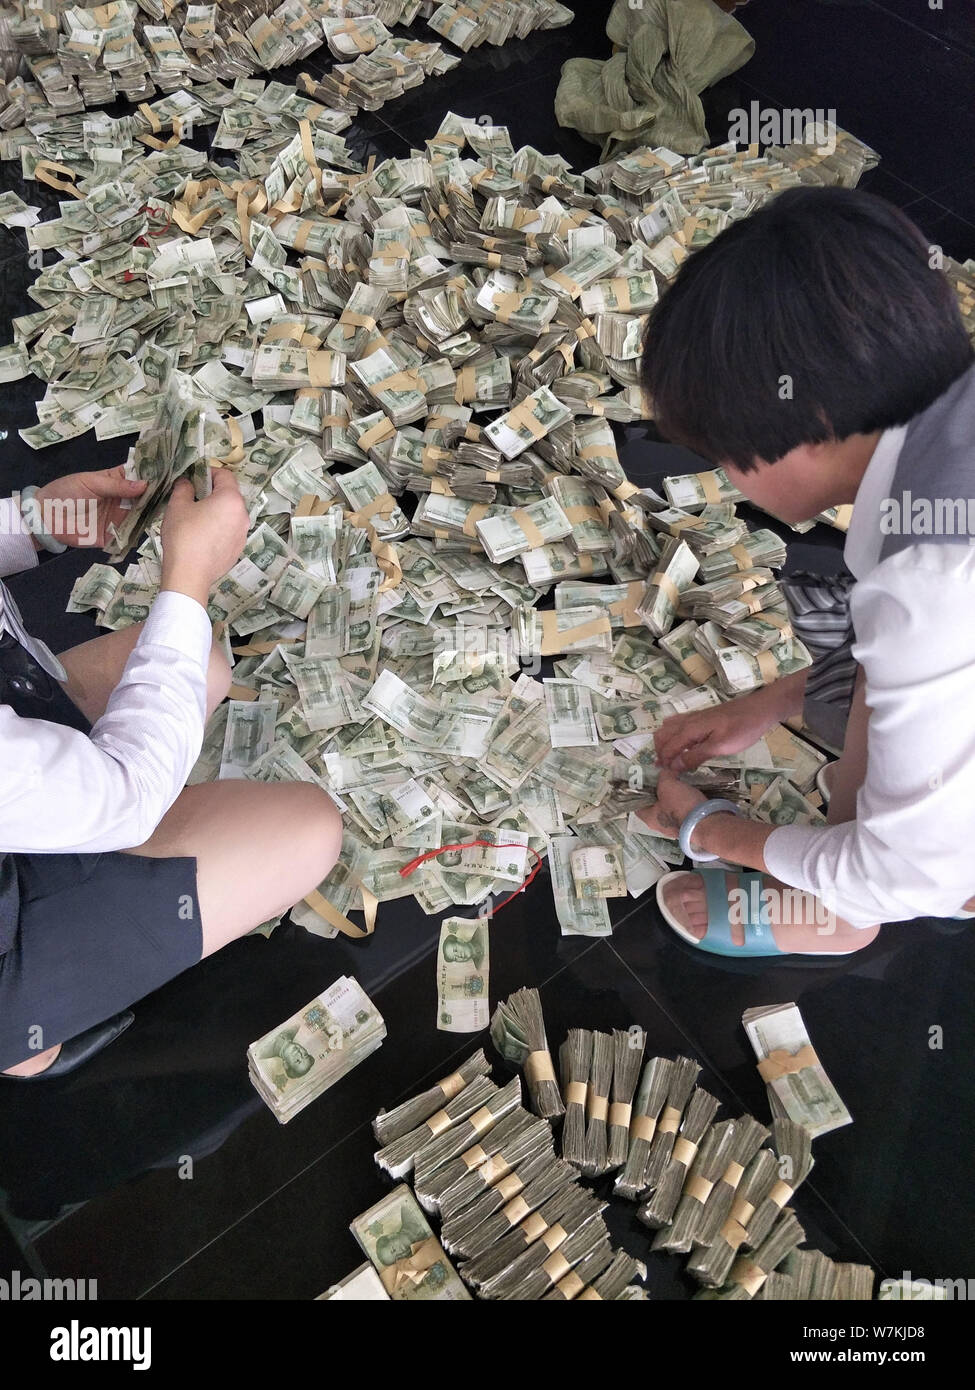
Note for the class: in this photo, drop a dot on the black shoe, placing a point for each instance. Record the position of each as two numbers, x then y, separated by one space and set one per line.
77 1051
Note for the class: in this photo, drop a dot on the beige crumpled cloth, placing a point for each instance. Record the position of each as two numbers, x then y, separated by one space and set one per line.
648 94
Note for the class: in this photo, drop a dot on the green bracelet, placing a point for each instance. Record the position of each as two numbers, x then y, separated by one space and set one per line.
31 512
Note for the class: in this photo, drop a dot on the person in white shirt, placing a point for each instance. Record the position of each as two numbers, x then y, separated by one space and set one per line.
114 875
795 352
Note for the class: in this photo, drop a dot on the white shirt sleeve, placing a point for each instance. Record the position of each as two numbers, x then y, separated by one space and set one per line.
65 791
16 547
909 851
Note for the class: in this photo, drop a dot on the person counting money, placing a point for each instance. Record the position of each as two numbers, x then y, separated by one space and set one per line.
114 876
815 351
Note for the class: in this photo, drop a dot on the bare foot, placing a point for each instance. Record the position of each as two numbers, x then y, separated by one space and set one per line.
33 1065
799 923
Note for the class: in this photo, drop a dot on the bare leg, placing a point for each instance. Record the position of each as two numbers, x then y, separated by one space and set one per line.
259 848
95 668
799 923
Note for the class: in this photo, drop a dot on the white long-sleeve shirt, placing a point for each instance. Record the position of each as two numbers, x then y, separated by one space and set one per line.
64 791
909 851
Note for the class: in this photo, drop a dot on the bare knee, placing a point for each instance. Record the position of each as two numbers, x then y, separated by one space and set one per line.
219 677
317 832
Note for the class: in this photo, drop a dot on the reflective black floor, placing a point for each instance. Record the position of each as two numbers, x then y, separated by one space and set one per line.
157 1171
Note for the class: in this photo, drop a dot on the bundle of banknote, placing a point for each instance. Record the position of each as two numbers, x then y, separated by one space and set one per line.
518 1032
798 1087
296 1062
410 1261
393 1124
523 1226
85 56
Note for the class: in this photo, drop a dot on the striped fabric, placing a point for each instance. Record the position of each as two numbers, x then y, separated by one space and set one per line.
820 611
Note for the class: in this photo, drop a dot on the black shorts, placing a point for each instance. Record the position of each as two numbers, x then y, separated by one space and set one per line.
95 933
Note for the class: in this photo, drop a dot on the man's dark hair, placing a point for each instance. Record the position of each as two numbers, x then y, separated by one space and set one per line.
832 288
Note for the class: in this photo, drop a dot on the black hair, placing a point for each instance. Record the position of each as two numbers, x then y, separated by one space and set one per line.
820 316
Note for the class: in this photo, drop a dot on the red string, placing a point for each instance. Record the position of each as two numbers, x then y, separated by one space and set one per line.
477 844
154 212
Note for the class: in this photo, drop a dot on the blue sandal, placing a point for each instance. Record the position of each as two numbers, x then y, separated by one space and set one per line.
759 940
717 940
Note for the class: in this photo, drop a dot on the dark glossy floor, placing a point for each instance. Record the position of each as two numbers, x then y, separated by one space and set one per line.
94 1180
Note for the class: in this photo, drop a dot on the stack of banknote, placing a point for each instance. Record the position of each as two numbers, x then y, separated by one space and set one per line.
518 1222
798 1087
297 1061
89 55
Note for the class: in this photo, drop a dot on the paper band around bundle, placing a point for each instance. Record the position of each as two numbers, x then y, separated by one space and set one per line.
515 1211
474 1157
538 1067
376 434
413 1269
554 641
748 1275
684 1152
625 490
699 670
571 1286
383 505
733 1233
320 368
742 1211
698 1187
495 1168
477 513
669 1121
663 581
742 555
572 288
534 536
781 1193
520 416
643 1127
768 666
589 1296
576 1093
482 1120
241 692
781 1062
533 1227
619 1114
709 486
733 1175
557 1267
509 1187
554 1236
432 457
438 1122
597 1107
626 607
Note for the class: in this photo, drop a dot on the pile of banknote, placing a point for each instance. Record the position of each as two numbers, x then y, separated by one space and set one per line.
410 372
518 1223
83 56
295 1062
798 1087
